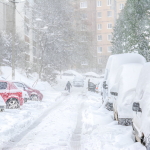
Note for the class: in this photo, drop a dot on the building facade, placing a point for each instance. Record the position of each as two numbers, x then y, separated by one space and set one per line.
104 15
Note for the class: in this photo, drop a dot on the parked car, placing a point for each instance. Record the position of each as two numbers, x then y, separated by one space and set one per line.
92 87
78 81
141 108
113 64
11 95
91 75
123 92
34 94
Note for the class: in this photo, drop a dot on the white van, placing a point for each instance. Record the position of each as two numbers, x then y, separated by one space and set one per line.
141 108
113 64
124 91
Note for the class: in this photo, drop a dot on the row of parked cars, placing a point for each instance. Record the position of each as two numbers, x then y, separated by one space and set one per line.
16 93
126 92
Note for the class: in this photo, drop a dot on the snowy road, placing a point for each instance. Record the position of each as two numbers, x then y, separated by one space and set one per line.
54 129
76 121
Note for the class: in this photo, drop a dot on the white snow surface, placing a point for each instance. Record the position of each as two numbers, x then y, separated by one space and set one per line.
63 121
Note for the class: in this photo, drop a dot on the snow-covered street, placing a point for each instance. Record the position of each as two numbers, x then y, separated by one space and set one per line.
75 121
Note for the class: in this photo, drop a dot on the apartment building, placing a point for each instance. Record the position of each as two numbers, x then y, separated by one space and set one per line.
107 13
104 18
87 28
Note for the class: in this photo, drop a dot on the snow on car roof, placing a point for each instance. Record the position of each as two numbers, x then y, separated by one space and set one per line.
72 72
92 74
120 59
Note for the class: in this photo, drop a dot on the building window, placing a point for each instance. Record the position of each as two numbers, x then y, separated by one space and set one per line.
99 49
121 6
99 14
99 26
109 26
98 3
109 37
84 16
109 49
109 13
108 2
99 37
83 5
100 61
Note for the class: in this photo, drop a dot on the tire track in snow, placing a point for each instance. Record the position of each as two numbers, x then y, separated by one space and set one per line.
75 142
13 142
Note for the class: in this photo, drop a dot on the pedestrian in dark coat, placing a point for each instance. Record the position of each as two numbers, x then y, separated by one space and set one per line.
68 86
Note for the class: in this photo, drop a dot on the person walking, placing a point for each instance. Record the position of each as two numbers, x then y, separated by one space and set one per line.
68 86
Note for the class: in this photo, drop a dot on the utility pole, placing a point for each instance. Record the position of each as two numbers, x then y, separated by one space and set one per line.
13 38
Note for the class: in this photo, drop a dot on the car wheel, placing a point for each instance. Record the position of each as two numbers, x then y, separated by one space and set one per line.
12 104
34 98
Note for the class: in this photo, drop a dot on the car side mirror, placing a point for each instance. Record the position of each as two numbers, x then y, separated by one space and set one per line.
114 90
136 107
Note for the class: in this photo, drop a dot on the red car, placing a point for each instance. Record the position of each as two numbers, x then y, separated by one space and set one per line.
11 95
33 93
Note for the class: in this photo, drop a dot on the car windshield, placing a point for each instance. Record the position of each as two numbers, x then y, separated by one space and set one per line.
91 84
3 85
19 85
26 86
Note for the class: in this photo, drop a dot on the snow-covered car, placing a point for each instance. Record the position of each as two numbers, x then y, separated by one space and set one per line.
71 73
113 64
33 93
141 107
78 81
11 95
2 78
91 75
92 87
123 92
102 76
